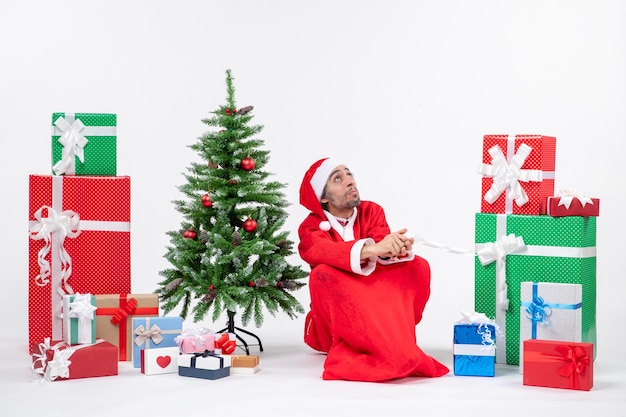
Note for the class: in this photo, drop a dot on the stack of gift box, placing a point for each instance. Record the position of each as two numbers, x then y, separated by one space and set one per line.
82 317
535 264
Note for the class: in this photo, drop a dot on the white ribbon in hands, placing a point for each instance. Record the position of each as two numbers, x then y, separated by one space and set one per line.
508 175
73 143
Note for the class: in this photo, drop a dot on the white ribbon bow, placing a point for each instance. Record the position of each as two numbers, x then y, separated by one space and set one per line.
58 367
144 334
81 308
568 195
73 143
65 224
497 251
198 335
508 175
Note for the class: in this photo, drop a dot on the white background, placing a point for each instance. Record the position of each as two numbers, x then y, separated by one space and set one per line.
402 91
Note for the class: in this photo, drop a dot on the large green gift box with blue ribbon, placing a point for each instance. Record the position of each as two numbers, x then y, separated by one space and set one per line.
511 249
84 144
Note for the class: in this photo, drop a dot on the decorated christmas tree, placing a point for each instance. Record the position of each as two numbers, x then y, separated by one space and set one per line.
230 254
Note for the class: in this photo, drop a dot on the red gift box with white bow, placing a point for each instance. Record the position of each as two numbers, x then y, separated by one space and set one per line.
518 173
571 203
56 360
79 242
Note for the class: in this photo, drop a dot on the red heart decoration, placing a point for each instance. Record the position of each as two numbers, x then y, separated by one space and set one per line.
163 361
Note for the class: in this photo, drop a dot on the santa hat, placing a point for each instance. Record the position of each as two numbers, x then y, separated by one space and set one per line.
313 185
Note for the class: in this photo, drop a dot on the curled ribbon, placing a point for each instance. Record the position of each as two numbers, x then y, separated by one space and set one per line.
497 251
567 196
64 224
58 367
508 175
485 334
482 320
143 334
73 143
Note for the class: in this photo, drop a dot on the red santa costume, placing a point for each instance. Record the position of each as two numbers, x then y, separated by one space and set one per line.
363 312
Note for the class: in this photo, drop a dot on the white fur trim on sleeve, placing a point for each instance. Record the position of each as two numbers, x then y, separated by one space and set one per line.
355 258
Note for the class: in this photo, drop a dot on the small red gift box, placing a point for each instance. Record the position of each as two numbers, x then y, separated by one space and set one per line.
226 343
558 364
57 360
571 204
518 173
79 243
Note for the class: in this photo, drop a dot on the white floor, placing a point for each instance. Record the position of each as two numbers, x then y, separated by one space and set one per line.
289 384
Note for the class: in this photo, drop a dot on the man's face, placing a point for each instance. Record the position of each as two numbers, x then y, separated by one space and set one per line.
342 194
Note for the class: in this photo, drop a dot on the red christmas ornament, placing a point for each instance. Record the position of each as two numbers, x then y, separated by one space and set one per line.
247 164
251 284
211 287
249 225
190 234
227 112
206 201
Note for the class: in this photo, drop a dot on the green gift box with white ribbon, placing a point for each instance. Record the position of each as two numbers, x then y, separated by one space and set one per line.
84 144
511 249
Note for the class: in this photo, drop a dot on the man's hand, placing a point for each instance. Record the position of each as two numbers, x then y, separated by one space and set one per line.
395 245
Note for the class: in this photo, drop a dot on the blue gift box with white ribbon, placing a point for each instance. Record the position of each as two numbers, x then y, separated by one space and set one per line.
474 349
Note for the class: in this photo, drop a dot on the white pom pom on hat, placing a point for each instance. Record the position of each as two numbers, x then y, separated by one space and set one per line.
325 225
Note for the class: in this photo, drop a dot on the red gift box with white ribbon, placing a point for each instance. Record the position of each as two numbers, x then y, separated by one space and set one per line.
518 173
571 203
57 360
79 242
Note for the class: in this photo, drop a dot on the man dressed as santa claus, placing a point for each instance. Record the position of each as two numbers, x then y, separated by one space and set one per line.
368 289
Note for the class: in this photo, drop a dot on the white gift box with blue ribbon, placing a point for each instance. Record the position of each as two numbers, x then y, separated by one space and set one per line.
550 311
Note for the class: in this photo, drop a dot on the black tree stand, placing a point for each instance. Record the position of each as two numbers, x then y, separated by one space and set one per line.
230 328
